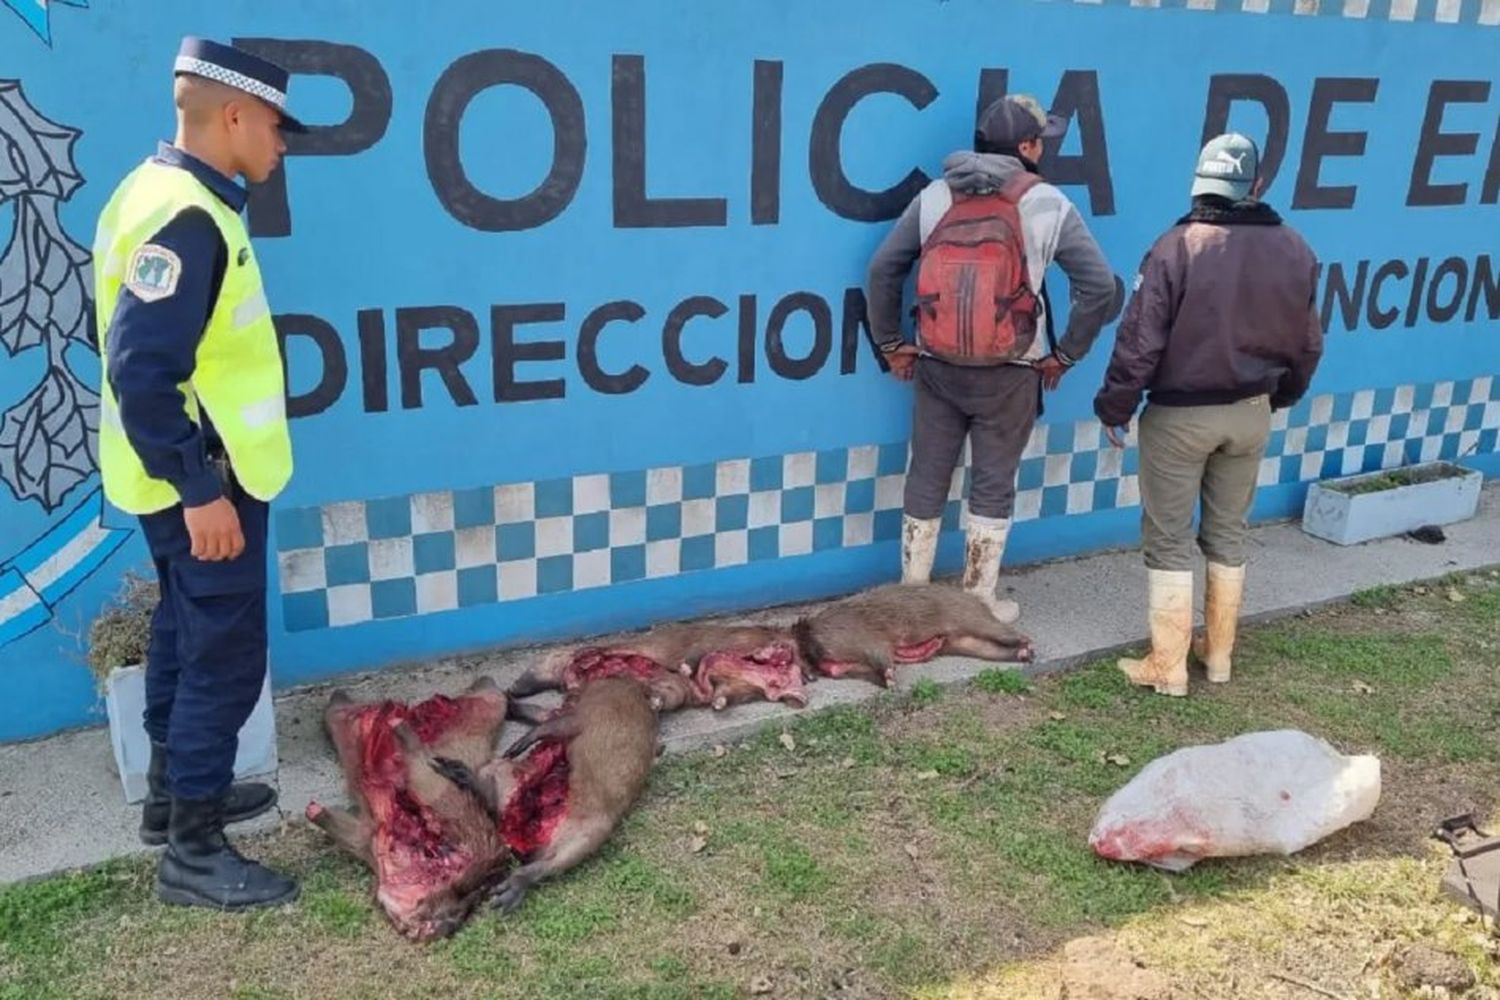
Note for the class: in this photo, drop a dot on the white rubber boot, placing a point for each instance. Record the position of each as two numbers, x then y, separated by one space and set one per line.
1171 620
919 538
1221 617
984 548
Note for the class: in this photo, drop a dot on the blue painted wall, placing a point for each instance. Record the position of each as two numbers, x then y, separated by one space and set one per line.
546 486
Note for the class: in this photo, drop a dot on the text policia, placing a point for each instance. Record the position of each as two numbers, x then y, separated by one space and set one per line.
1437 291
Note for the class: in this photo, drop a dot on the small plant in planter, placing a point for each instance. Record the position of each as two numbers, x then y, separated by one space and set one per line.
117 643
119 636
1373 505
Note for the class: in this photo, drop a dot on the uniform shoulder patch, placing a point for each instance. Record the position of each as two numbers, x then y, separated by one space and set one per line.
153 272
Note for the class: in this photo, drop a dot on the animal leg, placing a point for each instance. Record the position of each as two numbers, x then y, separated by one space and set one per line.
340 722
560 727
429 784
528 712
349 831
573 844
459 773
987 649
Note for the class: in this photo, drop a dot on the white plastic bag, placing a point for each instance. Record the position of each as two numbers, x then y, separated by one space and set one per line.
1261 793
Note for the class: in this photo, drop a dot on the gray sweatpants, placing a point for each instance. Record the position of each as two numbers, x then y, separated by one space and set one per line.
1189 453
996 407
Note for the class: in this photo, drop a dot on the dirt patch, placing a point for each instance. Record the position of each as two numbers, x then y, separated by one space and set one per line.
1098 968
1415 966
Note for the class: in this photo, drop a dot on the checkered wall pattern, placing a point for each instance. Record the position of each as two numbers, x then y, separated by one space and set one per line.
395 557
1485 12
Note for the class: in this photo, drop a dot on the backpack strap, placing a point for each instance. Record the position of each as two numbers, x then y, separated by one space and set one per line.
1015 189
933 203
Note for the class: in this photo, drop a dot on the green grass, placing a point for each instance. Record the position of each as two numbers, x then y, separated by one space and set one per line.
899 845
926 692
996 681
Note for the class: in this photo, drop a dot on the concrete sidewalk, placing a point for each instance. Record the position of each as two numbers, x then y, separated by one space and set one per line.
61 804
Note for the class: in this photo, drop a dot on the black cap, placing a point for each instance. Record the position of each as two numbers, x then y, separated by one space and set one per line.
239 69
1018 118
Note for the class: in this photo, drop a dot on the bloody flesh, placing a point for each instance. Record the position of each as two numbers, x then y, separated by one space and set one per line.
539 800
595 664
921 652
772 669
916 652
409 847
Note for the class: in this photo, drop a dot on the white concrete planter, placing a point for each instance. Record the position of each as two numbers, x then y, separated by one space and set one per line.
1381 504
125 701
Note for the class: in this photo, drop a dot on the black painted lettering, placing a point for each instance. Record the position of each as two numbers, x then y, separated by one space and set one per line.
1380 318
749 314
1339 293
335 368
1436 143
412 358
683 370
825 159
374 369
268 210
634 208
1318 142
455 89
1491 191
856 321
1224 89
1418 286
507 353
822 317
765 145
1486 283
597 378
1078 100
993 85
1458 268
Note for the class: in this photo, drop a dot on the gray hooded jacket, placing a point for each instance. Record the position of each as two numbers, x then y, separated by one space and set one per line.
1052 230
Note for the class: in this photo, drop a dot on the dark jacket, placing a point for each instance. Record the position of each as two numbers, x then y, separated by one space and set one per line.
1225 308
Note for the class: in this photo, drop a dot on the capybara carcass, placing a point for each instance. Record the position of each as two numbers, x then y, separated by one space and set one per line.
586 767
435 847
683 666
869 634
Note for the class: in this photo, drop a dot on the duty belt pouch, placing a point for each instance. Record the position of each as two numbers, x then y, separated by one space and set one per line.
227 481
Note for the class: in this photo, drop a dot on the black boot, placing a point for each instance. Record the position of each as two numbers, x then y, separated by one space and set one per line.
246 801
201 868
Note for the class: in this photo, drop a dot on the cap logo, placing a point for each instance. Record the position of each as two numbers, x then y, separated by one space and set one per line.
1223 164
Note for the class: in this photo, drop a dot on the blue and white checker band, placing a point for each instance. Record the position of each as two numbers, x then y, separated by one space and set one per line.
213 71
1486 12
360 561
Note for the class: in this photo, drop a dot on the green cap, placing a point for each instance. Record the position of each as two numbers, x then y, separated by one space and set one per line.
1227 167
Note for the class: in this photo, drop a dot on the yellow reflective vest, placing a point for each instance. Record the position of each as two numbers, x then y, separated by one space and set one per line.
238 378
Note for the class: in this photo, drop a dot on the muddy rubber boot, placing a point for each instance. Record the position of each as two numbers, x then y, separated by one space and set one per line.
919 538
1221 617
984 548
1171 620
246 801
201 868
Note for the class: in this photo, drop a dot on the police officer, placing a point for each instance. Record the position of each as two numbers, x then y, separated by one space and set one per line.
193 440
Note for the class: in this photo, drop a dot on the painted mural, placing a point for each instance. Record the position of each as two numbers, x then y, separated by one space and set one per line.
571 298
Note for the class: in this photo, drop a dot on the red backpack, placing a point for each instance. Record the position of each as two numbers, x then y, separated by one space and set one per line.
974 303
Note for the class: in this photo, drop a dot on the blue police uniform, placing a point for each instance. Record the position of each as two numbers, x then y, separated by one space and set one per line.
208 652
207 656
